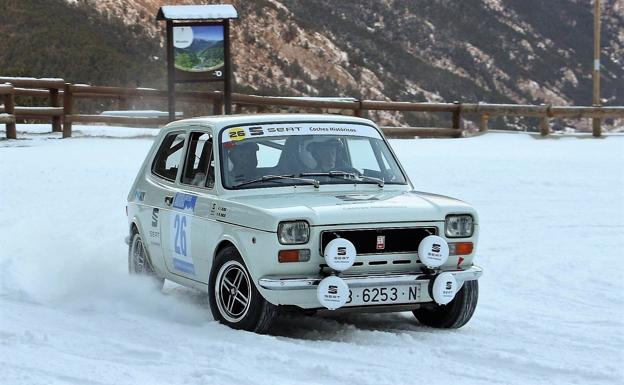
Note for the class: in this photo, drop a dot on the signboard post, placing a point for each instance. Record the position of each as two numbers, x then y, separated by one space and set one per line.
198 47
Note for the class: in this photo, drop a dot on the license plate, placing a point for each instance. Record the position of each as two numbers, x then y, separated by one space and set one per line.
380 295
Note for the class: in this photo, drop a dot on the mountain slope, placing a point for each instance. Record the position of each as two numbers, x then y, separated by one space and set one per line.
516 51
49 38
499 51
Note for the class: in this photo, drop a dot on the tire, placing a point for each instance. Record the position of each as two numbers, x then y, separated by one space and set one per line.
139 262
234 299
456 313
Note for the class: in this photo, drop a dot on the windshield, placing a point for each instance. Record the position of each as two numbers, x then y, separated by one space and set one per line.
307 153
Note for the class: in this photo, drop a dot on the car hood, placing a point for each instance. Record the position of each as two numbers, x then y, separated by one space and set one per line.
331 208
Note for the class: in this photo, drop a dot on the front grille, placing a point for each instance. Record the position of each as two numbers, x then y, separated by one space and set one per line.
396 240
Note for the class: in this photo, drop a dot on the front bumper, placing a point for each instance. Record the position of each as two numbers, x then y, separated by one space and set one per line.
272 282
301 290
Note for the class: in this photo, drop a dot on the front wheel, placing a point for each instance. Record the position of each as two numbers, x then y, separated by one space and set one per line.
456 313
139 262
234 299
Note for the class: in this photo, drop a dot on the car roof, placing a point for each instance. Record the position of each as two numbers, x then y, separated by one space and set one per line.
220 121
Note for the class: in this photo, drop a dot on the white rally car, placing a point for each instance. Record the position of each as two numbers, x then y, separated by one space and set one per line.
311 212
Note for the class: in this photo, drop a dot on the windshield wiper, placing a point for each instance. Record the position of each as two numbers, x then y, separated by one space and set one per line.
346 175
274 177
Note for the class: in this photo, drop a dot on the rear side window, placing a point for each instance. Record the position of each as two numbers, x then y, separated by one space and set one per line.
199 165
167 160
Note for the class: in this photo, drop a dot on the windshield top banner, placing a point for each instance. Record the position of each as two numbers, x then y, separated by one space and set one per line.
286 129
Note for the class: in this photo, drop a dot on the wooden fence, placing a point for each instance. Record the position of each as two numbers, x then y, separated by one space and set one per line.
55 90
8 117
39 88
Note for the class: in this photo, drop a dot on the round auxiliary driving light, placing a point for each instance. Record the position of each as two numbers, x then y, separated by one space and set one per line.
433 251
444 288
340 254
332 292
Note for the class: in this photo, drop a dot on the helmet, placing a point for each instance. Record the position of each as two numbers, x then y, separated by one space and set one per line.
325 152
243 153
318 146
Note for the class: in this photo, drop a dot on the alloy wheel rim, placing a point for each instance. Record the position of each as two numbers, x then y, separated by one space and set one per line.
233 291
138 255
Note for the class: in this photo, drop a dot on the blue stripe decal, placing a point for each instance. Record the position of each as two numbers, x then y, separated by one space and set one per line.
183 266
185 202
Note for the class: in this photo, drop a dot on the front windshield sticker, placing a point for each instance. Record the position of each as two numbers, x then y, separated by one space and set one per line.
256 131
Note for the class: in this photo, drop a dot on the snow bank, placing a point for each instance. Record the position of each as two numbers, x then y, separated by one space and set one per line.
551 221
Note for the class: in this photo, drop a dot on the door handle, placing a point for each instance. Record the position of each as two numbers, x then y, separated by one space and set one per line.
168 200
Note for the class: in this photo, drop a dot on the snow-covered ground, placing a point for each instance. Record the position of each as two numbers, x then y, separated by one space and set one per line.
551 307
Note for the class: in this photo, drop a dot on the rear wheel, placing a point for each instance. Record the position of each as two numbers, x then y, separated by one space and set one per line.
456 313
234 298
139 262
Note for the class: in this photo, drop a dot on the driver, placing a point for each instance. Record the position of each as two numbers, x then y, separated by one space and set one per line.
325 154
244 161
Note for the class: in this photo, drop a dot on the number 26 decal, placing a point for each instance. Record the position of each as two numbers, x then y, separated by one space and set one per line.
179 226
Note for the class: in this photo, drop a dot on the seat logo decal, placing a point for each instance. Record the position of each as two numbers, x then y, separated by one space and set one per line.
381 242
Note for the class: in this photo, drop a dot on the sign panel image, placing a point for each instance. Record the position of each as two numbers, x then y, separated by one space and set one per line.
199 49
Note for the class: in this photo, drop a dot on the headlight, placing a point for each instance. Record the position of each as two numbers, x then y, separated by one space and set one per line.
293 233
459 226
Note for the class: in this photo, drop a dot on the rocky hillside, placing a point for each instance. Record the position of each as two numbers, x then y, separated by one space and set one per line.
49 38
517 51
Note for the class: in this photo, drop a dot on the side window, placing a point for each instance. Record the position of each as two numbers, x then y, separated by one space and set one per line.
167 160
199 164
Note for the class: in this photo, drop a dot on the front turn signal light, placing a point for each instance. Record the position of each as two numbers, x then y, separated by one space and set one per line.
301 255
460 248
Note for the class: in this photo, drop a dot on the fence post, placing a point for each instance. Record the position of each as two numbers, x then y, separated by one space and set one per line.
484 122
54 102
123 103
457 116
596 125
9 108
359 112
544 125
68 101
217 107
